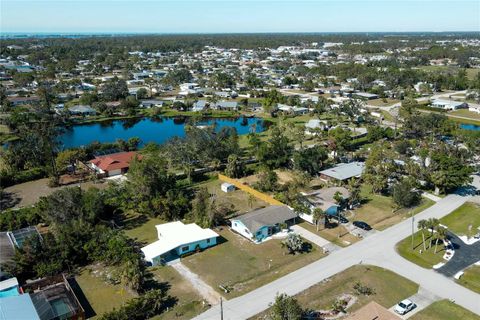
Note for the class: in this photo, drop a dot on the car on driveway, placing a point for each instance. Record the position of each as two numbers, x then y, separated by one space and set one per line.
362 225
404 307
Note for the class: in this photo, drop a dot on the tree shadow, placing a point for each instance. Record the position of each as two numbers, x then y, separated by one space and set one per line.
87 307
128 223
8 200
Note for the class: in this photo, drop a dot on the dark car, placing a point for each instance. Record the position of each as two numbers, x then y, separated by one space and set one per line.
362 225
340 218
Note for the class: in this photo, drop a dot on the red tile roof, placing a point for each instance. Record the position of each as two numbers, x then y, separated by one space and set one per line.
115 161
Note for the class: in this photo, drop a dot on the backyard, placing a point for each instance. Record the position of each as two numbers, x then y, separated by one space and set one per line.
444 310
379 211
424 258
471 278
241 265
388 288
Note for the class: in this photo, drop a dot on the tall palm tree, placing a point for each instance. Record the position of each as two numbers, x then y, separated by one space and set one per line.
422 225
441 235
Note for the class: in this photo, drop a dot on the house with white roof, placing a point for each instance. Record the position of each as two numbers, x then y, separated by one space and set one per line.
449 104
343 171
176 239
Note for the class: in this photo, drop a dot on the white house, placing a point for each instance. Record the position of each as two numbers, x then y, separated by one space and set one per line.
449 104
176 239
260 224
474 108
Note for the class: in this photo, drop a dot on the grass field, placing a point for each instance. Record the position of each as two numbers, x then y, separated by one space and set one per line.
471 278
426 259
102 296
444 310
141 227
389 288
379 211
243 266
471 72
189 303
465 113
459 220
382 103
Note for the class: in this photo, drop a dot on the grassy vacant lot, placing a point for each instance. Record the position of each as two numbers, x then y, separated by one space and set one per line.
382 103
471 72
338 235
426 259
379 211
465 113
459 220
238 200
389 287
444 310
243 266
471 278
102 296
189 303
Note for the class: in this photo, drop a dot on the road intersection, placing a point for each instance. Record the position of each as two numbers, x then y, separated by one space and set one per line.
377 249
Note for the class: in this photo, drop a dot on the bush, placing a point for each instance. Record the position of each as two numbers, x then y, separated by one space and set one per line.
362 289
11 178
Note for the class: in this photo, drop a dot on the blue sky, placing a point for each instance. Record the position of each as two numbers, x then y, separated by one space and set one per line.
187 16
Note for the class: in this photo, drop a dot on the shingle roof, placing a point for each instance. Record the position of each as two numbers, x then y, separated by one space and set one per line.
114 161
266 217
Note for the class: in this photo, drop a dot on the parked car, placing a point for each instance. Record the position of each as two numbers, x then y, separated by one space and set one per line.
340 218
362 225
404 307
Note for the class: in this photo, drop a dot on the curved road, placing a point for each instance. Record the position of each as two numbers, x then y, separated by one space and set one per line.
377 249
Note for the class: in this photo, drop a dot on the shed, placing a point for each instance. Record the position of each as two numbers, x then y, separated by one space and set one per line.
227 187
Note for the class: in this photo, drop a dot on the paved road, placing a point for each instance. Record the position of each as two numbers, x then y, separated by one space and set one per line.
377 249
465 255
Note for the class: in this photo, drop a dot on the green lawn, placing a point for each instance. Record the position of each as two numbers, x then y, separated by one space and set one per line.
471 72
338 235
471 278
444 310
389 287
426 259
461 219
141 228
465 113
379 211
382 103
101 296
243 266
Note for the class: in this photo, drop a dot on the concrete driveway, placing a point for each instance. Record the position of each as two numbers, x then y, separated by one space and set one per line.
422 299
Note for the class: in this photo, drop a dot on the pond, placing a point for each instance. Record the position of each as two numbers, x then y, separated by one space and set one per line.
467 126
158 130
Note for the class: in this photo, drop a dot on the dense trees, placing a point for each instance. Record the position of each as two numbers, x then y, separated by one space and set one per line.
285 308
404 194
310 160
115 89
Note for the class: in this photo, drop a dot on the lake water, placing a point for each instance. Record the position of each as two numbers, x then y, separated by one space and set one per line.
157 130
470 127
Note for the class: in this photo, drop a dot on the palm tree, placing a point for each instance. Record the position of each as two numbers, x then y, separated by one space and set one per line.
422 225
441 235
318 214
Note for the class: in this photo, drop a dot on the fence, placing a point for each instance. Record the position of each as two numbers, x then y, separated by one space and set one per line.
255 193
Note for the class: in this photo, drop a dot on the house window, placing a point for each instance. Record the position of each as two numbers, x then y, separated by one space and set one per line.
185 248
208 240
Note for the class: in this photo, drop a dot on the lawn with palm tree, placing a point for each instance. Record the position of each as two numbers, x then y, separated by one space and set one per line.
426 248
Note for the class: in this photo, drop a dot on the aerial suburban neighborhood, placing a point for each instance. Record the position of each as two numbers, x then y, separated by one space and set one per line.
279 176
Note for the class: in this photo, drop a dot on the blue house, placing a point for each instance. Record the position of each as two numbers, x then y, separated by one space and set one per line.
263 223
176 239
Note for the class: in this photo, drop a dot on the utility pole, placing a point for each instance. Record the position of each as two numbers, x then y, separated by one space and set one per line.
413 225
221 308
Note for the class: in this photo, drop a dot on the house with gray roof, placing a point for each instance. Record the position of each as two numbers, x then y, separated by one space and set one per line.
261 224
227 105
343 171
82 110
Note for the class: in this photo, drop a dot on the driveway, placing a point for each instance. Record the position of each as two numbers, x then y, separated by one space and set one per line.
422 299
465 255
316 239
377 249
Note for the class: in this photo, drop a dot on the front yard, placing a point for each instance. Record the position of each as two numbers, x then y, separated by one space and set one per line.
426 259
379 210
388 289
338 235
242 266
471 278
444 310
464 221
